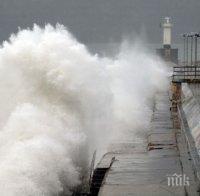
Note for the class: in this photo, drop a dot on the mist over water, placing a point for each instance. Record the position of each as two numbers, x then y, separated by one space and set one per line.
59 103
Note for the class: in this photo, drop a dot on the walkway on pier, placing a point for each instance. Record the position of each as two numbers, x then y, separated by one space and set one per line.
142 170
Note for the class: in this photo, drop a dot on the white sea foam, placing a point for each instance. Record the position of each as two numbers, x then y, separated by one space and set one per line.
59 103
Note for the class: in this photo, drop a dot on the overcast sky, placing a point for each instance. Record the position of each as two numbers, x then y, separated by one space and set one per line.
101 21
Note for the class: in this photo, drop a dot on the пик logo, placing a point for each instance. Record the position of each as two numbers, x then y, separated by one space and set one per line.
178 180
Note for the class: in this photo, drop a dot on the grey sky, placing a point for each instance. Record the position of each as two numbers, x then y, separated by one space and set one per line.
101 21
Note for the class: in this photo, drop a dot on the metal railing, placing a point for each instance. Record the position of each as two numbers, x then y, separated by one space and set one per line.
186 74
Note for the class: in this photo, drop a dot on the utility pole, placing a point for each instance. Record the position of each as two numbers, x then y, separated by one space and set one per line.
197 35
184 49
191 60
187 53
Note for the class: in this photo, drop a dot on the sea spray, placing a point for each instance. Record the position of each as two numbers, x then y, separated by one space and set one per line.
59 103
136 76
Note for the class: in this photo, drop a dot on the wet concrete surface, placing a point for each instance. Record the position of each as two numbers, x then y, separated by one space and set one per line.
143 168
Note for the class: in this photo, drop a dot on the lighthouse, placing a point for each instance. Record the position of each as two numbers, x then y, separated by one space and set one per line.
167 30
167 53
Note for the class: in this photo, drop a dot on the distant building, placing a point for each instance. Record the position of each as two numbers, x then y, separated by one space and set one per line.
167 53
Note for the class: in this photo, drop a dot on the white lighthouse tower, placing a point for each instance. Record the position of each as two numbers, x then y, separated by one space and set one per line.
167 29
168 53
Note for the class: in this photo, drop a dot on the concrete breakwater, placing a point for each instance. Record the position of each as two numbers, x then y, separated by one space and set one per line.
191 108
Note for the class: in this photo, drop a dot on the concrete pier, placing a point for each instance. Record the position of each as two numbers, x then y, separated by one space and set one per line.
152 166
